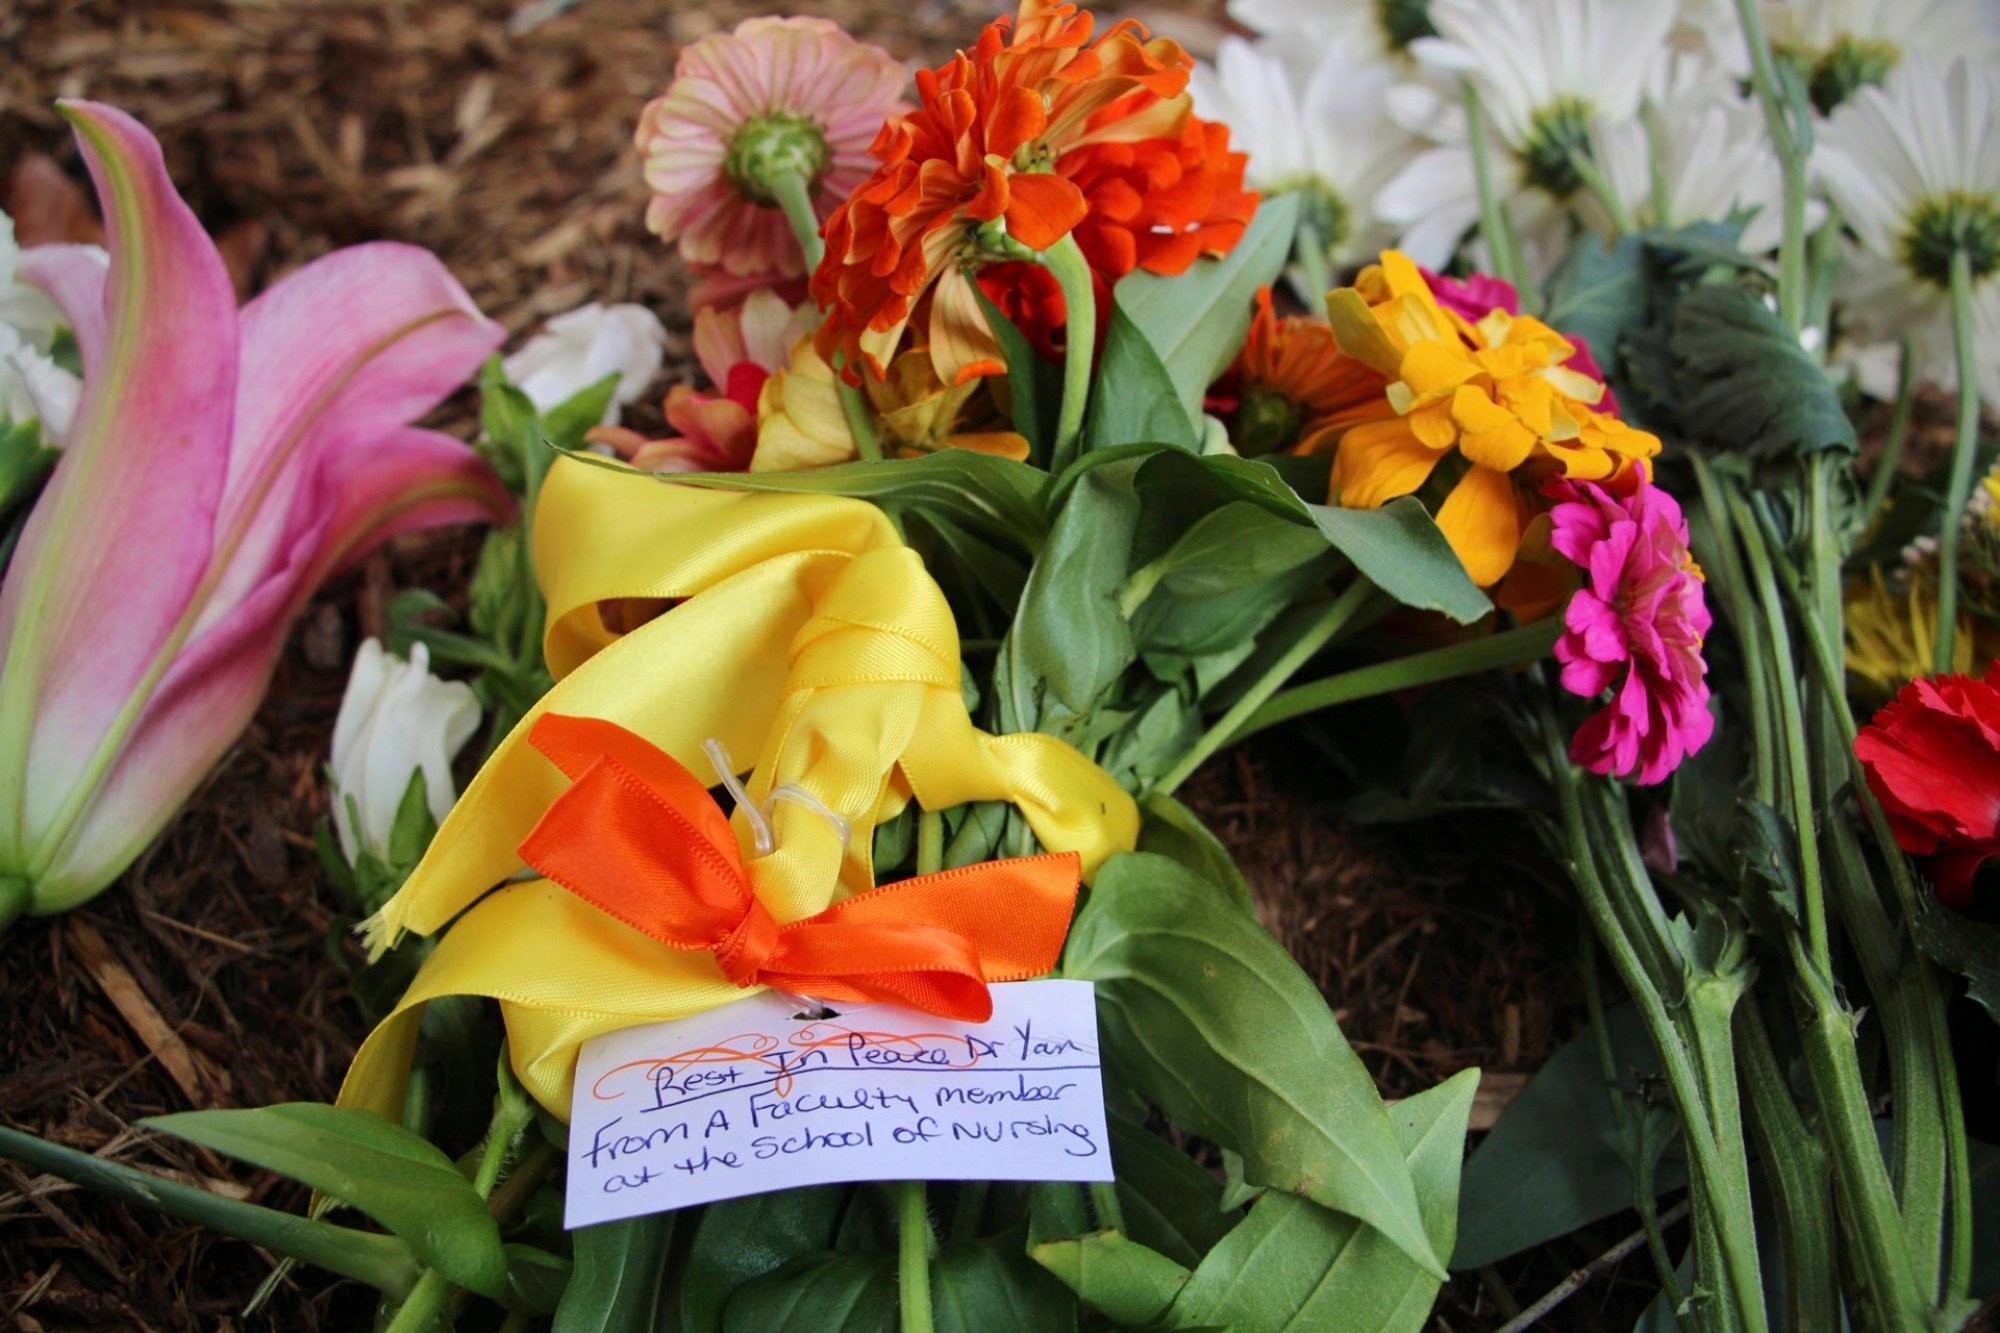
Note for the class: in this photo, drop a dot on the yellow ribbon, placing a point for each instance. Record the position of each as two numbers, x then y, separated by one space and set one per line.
805 634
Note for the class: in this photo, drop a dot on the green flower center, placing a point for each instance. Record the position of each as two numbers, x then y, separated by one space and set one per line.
1850 64
1941 227
1267 423
782 143
1403 21
1560 129
1320 208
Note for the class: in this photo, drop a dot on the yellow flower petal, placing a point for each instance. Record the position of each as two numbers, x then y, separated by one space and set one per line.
1489 434
1482 520
1379 462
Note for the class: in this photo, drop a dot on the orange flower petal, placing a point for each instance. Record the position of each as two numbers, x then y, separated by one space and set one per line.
1043 209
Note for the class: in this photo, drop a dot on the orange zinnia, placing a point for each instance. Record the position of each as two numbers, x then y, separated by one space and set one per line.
1156 204
1293 385
975 172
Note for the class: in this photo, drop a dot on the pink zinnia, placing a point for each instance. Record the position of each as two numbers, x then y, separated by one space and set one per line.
1639 613
738 349
791 95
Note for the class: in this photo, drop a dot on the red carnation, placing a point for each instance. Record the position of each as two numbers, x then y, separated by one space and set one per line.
1933 760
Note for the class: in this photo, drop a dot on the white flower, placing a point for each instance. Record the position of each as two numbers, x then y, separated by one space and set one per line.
577 349
396 719
31 384
1844 44
1545 70
1914 167
1321 132
1366 29
1715 160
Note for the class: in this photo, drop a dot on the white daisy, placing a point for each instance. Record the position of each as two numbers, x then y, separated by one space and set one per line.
31 383
1321 133
1914 167
1706 144
1842 45
1366 29
1545 70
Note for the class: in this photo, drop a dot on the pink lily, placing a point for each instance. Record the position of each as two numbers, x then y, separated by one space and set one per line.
223 463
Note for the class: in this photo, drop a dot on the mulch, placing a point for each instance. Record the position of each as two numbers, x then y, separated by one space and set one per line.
213 974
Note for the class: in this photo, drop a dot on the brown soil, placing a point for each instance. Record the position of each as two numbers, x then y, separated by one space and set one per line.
294 127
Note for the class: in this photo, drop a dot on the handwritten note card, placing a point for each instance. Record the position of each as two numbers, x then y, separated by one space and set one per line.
748 1098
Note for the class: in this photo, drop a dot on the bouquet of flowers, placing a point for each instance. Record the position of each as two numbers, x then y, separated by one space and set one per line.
1020 487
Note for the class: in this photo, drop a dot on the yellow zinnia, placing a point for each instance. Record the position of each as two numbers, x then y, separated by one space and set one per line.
802 634
801 422
1497 393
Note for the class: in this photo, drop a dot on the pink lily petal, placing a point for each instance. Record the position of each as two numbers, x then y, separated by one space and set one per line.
386 484
120 541
74 276
350 346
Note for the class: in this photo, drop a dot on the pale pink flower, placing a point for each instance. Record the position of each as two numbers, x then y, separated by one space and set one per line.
738 349
1639 615
790 94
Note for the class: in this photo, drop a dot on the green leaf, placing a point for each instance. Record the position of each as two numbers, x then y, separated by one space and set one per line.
1196 321
615 1286
838 1293
565 424
1295 1265
1171 1202
1966 946
1147 409
1207 1015
1746 384
24 462
1034 384
992 1286
371 1164
1400 548
414 826
536 1279
1598 293
1069 634
1552 1162
994 498
1119 1278
382 1262
741 1239
1231 548
1169 828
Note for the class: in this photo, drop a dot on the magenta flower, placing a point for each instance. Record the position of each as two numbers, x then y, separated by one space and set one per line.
793 98
223 463
1635 627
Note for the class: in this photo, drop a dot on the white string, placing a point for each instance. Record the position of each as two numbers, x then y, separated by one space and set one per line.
760 825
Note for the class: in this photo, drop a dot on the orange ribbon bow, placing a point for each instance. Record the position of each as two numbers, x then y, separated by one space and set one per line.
638 836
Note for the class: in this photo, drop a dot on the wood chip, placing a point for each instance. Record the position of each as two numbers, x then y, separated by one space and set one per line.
193 1075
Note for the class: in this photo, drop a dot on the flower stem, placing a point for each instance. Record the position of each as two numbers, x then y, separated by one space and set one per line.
1309 253
930 842
794 195
1337 615
1065 262
1595 181
426 1301
1795 1164
1725 565
1891 459
1501 243
1962 451
913 1254
1791 154
1792 729
1509 648
1739 1284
